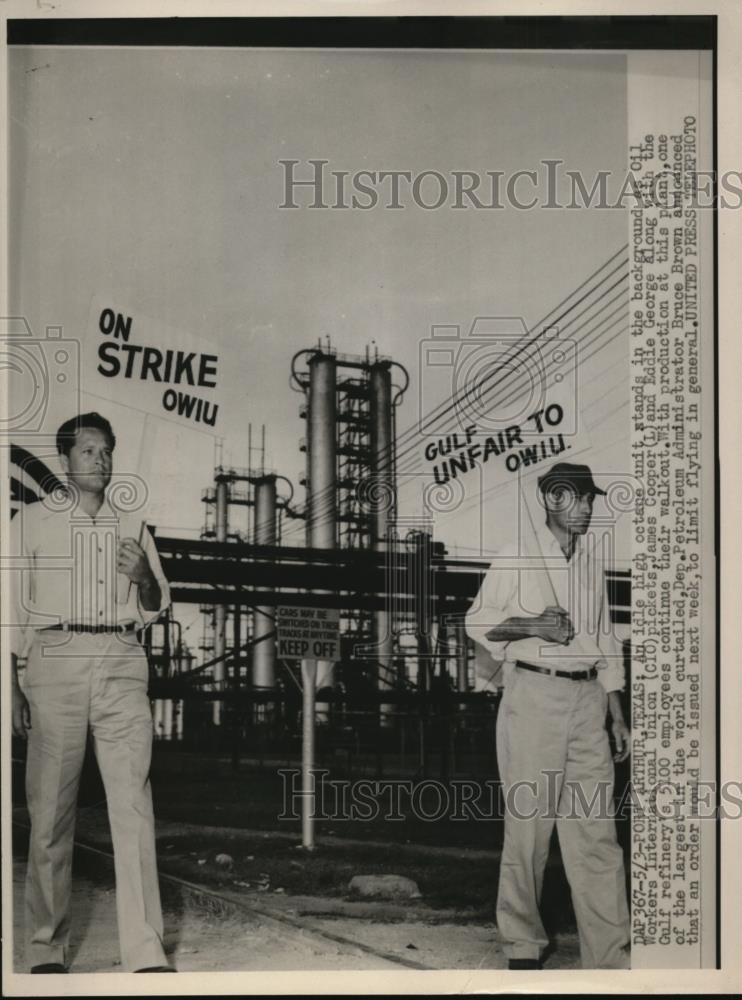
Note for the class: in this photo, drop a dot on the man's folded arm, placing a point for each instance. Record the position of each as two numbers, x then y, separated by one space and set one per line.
495 603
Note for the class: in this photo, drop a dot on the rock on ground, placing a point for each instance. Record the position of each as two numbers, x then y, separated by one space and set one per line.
385 886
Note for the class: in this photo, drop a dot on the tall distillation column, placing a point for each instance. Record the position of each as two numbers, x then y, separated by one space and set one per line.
220 611
383 515
264 651
322 473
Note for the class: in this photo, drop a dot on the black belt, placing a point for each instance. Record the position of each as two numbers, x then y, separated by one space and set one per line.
574 675
92 629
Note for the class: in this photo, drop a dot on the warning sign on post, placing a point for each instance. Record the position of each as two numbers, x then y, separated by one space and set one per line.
308 633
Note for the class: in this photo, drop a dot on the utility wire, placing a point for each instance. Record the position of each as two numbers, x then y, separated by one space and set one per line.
322 506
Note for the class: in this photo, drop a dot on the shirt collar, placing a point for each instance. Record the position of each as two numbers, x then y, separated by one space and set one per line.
107 512
550 546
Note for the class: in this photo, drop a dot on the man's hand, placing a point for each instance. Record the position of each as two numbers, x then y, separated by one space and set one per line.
622 736
133 562
21 713
620 730
555 625
552 625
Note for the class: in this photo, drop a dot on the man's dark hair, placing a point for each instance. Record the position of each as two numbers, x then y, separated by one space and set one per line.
67 433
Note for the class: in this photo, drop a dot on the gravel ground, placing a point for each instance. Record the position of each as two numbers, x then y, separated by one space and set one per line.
195 940
217 937
200 941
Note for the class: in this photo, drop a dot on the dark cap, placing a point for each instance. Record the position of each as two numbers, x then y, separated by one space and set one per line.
578 478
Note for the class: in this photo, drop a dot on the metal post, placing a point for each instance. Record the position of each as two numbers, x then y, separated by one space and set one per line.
443 650
443 704
167 721
235 692
462 672
167 658
264 654
421 570
309 686
220 611
462 667
423 621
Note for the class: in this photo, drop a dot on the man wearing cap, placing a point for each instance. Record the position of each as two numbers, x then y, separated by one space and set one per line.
548 624
87 578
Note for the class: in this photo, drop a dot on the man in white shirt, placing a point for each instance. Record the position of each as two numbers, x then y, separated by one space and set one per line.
544 616
84 586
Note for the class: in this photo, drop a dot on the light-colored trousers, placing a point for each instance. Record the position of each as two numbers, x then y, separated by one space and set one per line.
74 682
554 759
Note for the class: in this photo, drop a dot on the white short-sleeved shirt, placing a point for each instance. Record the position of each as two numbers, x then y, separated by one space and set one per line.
518 587
63 570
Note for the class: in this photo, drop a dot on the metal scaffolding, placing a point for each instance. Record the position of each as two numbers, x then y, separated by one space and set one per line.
256 490
350 483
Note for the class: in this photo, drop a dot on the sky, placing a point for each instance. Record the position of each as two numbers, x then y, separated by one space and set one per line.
152 179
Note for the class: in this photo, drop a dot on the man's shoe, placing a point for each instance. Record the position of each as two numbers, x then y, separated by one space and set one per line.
157 968
524 963
52 967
